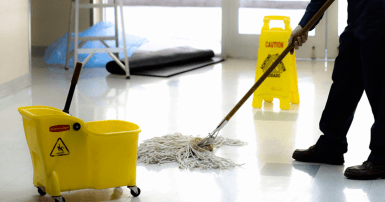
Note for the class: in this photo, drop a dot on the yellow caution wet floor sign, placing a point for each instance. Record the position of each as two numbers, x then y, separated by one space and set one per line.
282 82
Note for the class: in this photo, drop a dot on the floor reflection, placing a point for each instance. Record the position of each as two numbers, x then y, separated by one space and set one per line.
194 103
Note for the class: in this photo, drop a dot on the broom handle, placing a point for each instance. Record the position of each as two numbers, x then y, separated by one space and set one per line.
74 81
277 61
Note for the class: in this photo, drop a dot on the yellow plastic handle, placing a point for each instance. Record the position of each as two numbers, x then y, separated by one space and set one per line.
267 19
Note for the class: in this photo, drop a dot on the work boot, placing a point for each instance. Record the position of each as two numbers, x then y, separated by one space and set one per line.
367 171
318 156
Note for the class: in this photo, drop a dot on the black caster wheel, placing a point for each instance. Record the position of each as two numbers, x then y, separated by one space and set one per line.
133 192
41 191
59 199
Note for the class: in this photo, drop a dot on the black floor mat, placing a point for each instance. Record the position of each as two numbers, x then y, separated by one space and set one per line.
174 69
165 62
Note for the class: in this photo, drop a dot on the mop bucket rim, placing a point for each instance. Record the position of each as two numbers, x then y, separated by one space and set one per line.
124 132
26 113
26 109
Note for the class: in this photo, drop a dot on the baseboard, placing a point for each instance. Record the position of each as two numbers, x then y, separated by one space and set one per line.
14 85
38 51
318 59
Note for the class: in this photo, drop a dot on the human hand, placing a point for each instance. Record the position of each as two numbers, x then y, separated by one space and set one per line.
299 41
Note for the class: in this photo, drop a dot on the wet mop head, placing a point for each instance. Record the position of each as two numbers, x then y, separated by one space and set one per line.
184 150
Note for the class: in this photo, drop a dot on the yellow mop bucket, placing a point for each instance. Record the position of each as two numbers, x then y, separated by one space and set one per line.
69 154
282 82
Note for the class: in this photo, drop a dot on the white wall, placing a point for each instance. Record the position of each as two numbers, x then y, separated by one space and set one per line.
14 40
98 12
332 35
50 20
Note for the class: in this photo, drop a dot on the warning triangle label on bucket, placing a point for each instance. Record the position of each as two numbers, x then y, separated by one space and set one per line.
60 149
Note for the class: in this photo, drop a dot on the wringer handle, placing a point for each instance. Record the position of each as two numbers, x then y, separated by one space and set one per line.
74 81
277 61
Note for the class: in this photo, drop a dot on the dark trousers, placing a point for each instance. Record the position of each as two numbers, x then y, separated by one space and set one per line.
359 68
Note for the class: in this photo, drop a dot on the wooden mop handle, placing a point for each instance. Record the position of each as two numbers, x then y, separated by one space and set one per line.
278 60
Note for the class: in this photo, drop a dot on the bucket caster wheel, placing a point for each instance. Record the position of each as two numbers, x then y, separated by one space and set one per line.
135 191
59 199
41 191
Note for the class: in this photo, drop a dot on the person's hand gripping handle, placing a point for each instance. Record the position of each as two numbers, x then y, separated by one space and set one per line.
298 38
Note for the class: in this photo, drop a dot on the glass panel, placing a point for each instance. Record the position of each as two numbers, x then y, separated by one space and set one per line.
174 23
252 12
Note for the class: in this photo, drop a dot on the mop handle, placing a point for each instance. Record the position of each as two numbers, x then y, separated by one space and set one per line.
74 81
277 61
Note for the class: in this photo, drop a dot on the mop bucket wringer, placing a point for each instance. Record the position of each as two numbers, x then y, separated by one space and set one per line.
70 154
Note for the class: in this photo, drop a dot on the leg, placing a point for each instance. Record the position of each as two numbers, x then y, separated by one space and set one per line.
268 99
372 53
124 42
116 27
76 45
370 30
284 103
257 102
344 95
69 36
294 99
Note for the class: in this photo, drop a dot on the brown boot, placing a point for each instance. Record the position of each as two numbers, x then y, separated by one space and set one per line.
318 156
367 171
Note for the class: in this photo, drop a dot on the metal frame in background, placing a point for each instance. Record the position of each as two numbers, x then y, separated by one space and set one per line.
75 6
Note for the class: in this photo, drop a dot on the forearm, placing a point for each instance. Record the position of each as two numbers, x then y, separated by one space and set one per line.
311 10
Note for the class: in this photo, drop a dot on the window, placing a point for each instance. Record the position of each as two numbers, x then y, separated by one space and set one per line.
174 23
252 12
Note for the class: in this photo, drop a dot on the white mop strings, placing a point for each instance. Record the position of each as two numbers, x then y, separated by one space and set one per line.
184 150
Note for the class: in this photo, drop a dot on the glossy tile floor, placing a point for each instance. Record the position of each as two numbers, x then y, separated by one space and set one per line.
194 103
